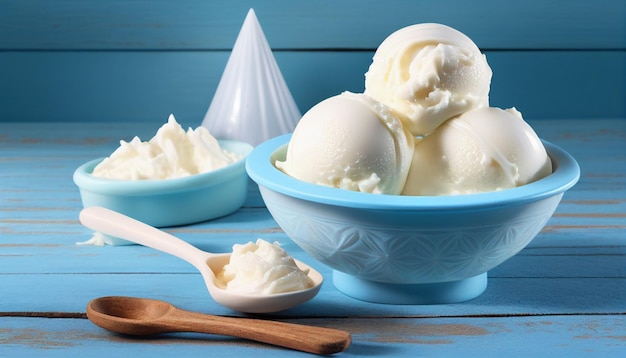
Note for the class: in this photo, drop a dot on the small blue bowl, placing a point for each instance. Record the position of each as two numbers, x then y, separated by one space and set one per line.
408 249
170 202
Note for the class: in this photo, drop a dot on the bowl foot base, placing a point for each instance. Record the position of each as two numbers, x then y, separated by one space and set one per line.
410 294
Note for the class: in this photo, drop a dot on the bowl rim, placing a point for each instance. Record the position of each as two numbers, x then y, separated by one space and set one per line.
259 167
85 181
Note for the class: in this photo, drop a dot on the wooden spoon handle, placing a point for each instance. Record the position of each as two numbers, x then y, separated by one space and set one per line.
318 340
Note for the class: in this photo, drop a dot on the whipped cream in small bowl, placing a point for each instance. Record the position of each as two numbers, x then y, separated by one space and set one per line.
177 178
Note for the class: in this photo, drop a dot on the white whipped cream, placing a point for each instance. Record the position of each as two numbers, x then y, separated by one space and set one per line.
171 153
100 239
262 268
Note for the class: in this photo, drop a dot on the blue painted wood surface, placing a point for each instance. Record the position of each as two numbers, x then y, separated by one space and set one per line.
78 76
564 295
321 24
429 337
123 60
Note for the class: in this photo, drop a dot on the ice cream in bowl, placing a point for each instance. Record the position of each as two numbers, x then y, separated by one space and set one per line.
415 189
178 177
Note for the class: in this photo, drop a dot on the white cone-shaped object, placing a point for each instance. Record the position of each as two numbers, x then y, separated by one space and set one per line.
252 102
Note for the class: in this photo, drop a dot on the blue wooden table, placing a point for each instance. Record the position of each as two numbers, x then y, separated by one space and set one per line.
564 295
78 76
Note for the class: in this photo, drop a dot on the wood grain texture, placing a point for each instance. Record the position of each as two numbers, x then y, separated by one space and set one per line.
141 60
321 24
589 336
148 86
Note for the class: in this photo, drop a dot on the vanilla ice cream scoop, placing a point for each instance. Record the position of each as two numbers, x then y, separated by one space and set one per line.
485 149
353 142
428 73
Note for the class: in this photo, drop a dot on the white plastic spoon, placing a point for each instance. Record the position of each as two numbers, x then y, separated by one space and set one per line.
118 225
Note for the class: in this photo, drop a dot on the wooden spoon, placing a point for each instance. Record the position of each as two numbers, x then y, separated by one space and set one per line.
141 316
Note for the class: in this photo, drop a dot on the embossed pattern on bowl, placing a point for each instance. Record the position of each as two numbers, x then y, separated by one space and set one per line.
408 240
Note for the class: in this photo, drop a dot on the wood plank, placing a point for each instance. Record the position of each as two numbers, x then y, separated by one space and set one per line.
551 260
148 86
593 335
55 292
353 24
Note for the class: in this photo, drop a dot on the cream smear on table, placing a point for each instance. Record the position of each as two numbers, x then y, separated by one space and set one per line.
262 268
171 153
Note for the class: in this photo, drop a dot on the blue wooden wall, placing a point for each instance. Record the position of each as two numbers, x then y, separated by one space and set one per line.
140 60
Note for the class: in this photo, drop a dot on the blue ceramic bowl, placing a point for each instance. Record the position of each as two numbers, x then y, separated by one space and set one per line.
170 202
408 249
